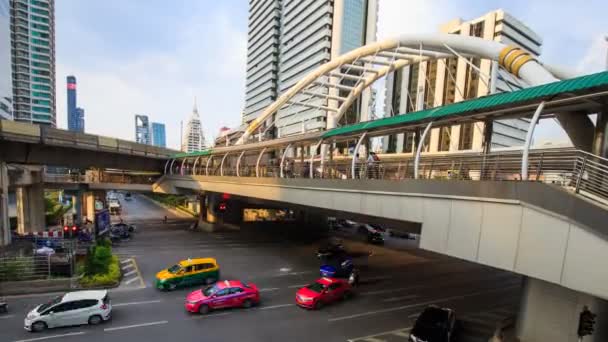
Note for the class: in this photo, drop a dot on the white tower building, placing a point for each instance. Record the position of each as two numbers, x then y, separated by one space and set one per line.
193 139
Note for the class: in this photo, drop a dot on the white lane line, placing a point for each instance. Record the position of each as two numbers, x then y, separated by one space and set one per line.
296 286
126 267
396 299
126 261
398 308
275 306
211 315
7 316
130 273
135 326
131 280
269 289
397 332
52 336
136 303
369 293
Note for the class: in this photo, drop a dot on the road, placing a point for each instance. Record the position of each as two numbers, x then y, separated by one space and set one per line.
396 286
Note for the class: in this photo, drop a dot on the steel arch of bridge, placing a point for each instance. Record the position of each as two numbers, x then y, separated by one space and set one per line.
321 88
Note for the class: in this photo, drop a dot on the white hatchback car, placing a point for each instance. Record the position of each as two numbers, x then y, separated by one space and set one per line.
72 308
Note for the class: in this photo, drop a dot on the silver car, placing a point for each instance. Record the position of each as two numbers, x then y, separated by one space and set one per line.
72 308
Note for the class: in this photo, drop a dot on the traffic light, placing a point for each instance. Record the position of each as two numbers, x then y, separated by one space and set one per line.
221 207
585 323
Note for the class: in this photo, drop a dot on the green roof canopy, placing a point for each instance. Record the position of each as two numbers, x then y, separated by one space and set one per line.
485 103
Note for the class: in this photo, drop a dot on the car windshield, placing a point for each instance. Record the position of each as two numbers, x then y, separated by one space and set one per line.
53 302
174 269
316 287
210 291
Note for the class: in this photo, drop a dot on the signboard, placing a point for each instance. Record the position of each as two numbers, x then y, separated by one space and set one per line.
102 222
98 205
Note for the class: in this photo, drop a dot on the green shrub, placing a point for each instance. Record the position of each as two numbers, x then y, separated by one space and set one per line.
109 278
98 260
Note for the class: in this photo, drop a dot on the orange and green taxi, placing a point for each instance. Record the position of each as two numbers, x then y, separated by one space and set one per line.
188 272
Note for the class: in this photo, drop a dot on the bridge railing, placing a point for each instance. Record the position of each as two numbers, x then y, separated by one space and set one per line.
100 177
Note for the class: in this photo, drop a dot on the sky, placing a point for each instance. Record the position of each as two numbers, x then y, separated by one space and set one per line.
154 57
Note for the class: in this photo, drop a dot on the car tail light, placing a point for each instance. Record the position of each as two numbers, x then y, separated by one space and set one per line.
66 228
104 306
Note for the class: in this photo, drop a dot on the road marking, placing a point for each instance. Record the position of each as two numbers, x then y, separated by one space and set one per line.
403 332
132 280
126 261
136 303
399 308
396 299
126 267
296 286
52 336
368 293
294 273
269 289
130 273
211 315
135 326
7 316
275 306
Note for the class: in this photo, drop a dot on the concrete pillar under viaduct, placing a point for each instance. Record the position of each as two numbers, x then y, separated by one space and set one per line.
212 217
5 228
30 208
550 312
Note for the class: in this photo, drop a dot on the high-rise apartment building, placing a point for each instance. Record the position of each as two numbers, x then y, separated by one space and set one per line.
193 139
290 38
441 82
33 60
142 129
6 85
158 135
75 114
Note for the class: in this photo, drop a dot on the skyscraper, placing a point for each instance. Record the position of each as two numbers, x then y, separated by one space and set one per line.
6 86
441 82
193 139
75 114
33 60
158 135
142 129
288 39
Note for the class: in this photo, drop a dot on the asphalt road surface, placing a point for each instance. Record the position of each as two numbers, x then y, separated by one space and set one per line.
396 286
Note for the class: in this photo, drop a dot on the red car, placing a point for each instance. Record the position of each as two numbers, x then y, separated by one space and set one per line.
224 294
323 291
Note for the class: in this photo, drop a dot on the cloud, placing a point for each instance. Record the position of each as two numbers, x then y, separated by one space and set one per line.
207 61
595 58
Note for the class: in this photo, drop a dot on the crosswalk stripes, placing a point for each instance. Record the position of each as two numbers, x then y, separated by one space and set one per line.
131 278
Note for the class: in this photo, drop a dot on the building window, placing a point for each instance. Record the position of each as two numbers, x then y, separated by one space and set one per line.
408 142
466 136
39 41
471 84
449 84
477 30
41 109
39 94
413 88
431 79
444 138
40 87
39 19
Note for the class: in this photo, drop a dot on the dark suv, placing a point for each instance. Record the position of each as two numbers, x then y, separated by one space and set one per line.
434 324
371 235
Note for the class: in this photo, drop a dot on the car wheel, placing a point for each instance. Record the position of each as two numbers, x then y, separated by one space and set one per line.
209 281
38 326
171 286
318 305
247 303
94 320
347 295
203 309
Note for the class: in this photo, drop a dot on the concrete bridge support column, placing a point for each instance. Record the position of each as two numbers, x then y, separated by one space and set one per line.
30 209
550 312
600 140
5 227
